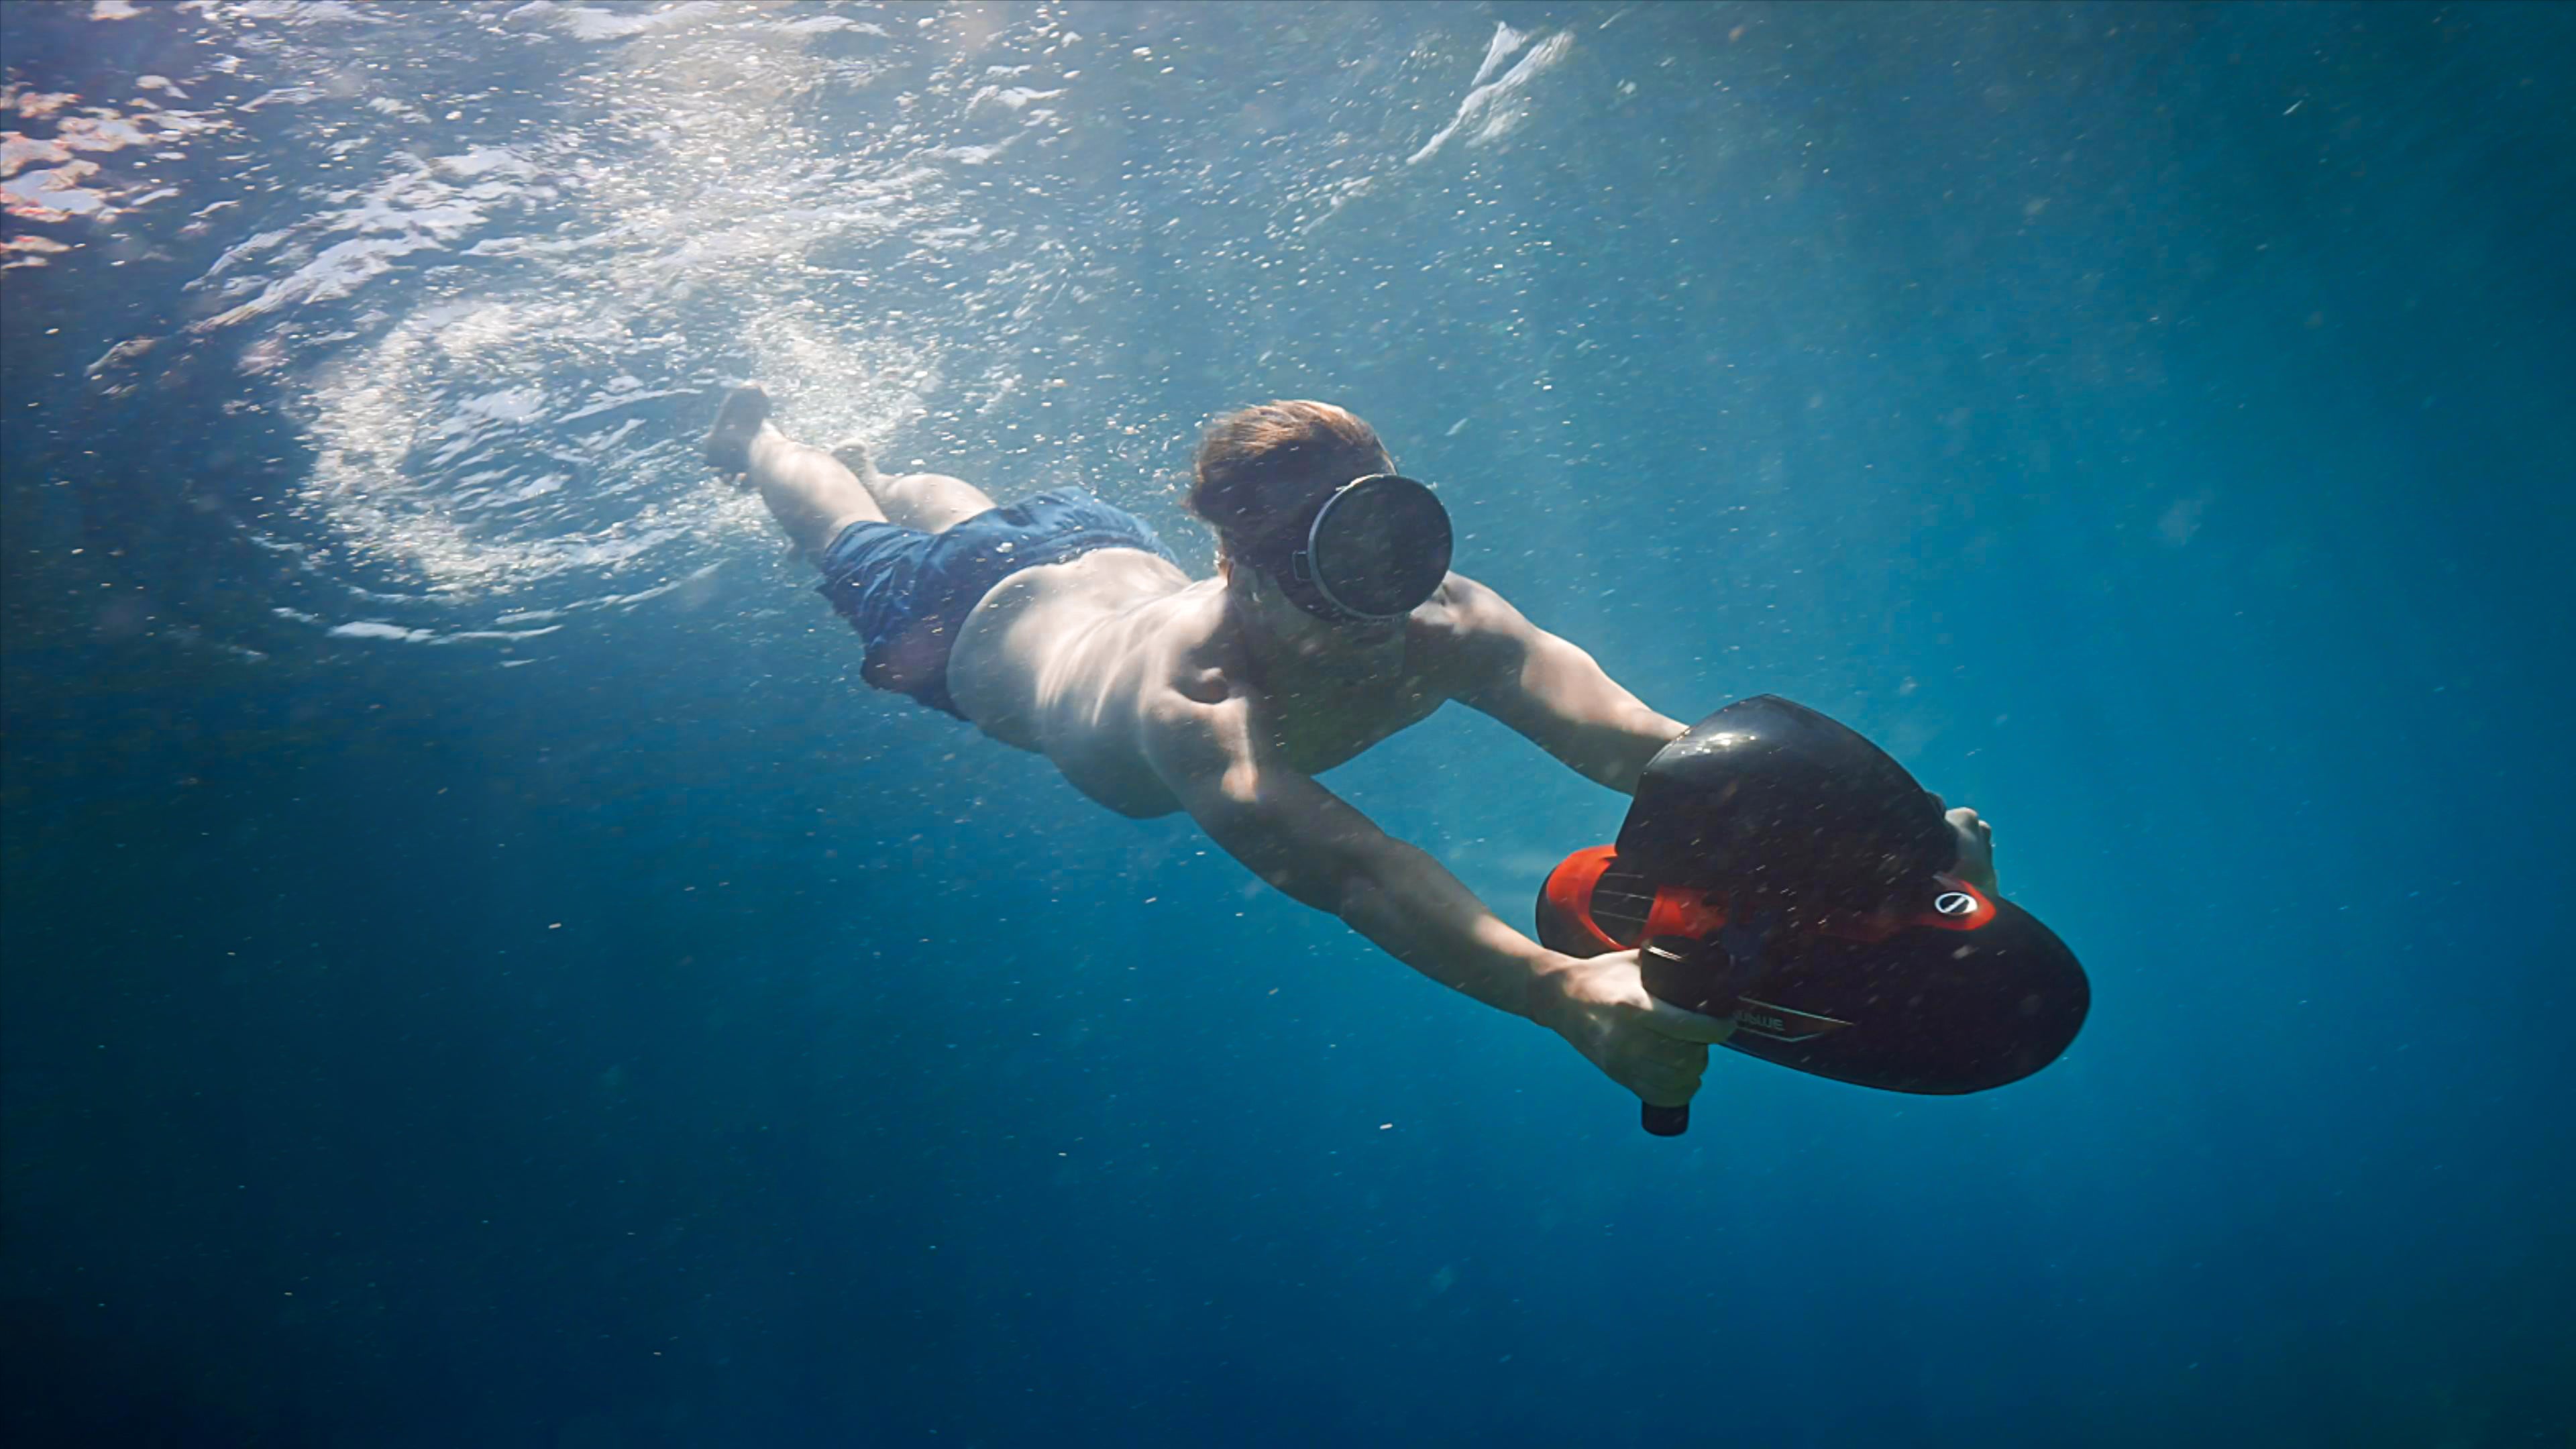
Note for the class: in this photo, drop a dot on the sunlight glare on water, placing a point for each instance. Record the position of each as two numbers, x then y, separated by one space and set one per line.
480 431
508 256
498 353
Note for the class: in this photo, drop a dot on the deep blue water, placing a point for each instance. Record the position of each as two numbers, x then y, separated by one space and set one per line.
480 969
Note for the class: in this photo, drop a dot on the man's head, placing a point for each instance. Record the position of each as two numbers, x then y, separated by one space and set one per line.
1261 470
1309 511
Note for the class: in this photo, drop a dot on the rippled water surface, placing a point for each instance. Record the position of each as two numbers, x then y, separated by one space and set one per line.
488 262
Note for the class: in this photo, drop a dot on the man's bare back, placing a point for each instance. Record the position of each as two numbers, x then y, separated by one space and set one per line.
1226 697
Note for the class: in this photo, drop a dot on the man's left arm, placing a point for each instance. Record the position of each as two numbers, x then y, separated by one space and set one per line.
1550 691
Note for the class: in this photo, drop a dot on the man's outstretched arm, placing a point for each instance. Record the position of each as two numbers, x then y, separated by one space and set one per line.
1551 691
1312 846
1555 695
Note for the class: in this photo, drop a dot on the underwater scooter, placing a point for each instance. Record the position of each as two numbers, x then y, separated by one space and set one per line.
1779 869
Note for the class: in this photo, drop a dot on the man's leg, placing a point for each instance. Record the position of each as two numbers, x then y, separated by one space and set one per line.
931 502
815 494
812 494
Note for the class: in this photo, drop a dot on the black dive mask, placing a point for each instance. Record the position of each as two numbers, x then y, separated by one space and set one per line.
1374 548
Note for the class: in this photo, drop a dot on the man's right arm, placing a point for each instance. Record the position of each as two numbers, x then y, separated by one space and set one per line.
1314 847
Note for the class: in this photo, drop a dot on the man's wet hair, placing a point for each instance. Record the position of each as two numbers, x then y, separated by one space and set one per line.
1260 467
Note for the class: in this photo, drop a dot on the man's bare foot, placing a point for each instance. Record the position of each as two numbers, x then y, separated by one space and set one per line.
739 421
854 456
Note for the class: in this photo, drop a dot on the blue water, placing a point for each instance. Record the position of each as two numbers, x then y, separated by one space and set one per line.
480 968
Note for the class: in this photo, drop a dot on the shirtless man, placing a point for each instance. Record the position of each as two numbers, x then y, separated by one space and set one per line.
1061 625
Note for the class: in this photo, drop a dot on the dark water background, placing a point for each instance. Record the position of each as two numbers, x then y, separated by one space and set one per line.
480 970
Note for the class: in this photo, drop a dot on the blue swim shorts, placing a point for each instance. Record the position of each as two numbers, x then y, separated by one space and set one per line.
908 592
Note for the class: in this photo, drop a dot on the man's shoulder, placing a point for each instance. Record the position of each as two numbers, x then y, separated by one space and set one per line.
1468 626
1465 607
